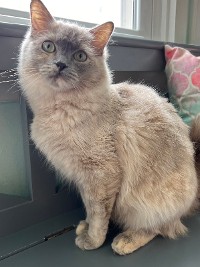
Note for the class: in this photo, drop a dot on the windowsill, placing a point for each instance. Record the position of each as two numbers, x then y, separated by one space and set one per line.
61 251
8 201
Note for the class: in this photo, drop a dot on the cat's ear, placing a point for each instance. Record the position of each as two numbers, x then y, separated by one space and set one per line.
40 16
101 35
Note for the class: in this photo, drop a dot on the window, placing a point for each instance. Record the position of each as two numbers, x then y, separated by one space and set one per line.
126 14
165 20
87 11
15 182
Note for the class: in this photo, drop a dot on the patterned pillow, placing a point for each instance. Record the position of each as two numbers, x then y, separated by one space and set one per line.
183 74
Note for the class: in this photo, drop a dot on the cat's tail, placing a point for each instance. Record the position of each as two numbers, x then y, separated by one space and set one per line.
195 137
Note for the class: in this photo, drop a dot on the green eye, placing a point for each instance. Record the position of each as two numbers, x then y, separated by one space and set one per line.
80 56
48 47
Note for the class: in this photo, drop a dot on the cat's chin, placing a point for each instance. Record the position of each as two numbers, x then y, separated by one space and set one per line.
60 85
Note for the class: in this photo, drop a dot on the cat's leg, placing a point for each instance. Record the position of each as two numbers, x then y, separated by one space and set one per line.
98 215
98 200
83 224
129 241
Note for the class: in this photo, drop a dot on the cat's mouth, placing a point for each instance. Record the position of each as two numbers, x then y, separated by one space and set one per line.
56 76
60 82
57 71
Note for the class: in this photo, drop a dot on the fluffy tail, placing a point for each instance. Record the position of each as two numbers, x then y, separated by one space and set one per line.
195 137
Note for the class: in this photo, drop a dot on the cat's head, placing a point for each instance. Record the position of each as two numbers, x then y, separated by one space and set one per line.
61 55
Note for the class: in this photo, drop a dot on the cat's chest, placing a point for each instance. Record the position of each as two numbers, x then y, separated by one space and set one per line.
68 142
64 144
75 146
58 130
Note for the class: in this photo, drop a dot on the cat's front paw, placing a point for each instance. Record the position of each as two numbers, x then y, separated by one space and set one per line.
82 227
85 242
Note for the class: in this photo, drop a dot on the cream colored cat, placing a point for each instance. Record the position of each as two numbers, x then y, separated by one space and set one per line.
123 145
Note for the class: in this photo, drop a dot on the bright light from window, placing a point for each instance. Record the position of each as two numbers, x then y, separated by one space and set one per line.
87 10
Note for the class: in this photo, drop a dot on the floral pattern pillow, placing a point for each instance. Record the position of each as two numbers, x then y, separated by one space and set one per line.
183 74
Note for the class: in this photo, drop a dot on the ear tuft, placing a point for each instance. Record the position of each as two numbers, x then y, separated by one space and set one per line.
101 35
40 16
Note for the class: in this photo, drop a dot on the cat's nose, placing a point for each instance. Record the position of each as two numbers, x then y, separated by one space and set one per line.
61 66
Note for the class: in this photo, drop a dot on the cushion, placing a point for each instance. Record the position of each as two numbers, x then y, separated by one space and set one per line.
183 75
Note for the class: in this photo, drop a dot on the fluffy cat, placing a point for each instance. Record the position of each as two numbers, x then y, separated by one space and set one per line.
123 145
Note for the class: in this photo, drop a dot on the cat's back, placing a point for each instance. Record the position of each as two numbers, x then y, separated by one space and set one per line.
143 106
138 96
149 130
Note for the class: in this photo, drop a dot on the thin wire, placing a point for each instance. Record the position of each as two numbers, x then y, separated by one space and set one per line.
44 239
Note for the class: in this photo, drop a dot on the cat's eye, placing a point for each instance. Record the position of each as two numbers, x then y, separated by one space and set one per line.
48 46
80 56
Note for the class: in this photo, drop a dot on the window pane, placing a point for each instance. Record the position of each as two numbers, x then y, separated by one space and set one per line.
14 160
118 11
12 165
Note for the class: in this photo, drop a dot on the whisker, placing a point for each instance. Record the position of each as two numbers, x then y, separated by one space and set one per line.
9 70
8 81
33 80
13 87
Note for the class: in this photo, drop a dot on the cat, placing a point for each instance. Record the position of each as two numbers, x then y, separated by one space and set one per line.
123 145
